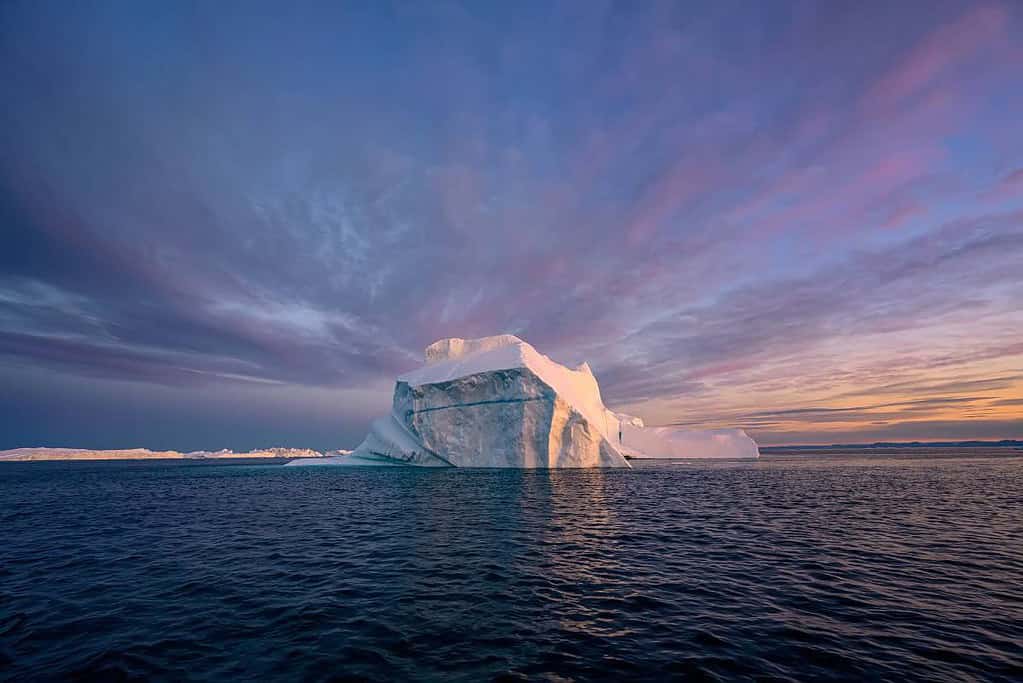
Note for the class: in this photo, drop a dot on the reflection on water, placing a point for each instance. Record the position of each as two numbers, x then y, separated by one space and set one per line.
801 568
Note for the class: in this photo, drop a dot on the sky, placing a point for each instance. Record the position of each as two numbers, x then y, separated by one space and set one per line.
232 224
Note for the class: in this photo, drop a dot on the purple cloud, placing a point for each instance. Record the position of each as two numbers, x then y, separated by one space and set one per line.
710 203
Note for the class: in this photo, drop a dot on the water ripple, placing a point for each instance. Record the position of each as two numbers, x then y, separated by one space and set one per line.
790 569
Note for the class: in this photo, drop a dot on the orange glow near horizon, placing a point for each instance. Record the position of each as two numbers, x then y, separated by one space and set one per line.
881 390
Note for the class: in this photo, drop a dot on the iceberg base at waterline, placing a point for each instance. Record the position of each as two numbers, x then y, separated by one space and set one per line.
497 402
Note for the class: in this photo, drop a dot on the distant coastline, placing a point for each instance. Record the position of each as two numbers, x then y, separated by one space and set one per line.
1004 443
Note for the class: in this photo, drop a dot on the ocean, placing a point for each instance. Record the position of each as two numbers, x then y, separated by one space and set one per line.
815 566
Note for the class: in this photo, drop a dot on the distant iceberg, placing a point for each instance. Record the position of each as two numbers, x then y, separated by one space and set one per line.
497 402
44 453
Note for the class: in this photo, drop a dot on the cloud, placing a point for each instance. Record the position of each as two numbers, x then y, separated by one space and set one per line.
182 207
1009 402
924 430
1010 186
897 288
946 48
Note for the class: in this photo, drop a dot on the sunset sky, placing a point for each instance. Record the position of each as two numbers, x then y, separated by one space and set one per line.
231 224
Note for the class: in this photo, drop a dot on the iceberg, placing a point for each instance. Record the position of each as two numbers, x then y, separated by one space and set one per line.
498 402
45 453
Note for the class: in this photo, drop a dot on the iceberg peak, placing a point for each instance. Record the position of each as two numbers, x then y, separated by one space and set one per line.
455 347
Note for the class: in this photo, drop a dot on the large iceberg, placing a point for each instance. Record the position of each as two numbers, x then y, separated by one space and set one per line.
497 402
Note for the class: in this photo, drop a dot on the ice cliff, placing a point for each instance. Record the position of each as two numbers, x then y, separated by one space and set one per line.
497 402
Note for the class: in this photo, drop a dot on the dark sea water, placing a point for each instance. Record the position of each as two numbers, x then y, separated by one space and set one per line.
838 567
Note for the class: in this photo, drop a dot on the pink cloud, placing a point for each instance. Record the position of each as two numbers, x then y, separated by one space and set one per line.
900 215
939 52
664 198
1010 187
842 199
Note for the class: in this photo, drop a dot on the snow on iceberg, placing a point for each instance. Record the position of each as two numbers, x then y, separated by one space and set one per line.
497 402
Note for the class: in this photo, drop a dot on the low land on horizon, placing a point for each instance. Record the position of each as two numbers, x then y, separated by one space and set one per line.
43 453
